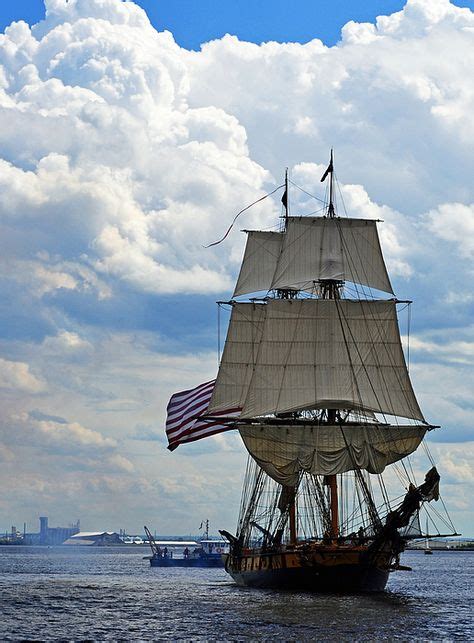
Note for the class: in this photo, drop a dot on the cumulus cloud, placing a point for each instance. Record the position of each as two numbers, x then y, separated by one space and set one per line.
71 436
377 99
454 222
120 462
154 147
442 371
56 434
458 462
17 376
77 447
132 182
456 465
455 351
66 342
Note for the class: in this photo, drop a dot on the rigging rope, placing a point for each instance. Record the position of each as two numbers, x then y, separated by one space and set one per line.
215 243
218 334
308 193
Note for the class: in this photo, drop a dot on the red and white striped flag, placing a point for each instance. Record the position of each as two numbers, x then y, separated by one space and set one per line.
183 423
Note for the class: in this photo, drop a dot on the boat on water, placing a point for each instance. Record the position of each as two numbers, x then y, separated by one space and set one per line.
207 552
314 378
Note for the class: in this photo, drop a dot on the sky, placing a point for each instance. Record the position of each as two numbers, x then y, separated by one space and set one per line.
193 23
128 143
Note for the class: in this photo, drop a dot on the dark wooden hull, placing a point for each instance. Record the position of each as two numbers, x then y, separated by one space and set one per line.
323 570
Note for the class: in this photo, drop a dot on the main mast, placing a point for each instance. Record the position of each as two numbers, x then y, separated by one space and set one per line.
331 289
288 294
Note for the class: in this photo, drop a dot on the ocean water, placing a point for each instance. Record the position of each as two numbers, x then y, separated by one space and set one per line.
113 594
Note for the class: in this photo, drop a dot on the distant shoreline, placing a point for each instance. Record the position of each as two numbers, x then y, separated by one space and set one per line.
137 546
146 546
458 549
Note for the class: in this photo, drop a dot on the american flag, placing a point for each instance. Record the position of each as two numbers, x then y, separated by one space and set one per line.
183 423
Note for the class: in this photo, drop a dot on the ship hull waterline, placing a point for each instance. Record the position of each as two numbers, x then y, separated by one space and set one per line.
326 571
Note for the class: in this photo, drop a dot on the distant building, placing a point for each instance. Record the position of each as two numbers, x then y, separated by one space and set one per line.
51 535
94 538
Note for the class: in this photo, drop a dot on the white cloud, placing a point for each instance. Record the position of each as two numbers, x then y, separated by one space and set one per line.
458 462
17 376
445 345
58 435
66 342
456 466
132 180
120 462
445 394
72 435
454 222
144 151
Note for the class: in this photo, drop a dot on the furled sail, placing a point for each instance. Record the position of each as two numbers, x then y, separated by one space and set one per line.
321 353
284 451
317 248
239 356
259 263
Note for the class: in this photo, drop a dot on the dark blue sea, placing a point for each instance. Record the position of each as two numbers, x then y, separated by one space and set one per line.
113 594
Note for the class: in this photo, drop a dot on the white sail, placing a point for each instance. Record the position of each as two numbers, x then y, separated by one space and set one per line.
259 263
284 451
239 356
320 353
317 248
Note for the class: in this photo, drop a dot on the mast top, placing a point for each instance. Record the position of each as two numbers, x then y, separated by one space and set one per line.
284 200
330 171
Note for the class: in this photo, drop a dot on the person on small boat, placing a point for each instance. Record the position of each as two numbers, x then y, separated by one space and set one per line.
165 552
186 552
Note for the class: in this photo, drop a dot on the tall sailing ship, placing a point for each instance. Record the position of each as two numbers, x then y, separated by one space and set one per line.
314 378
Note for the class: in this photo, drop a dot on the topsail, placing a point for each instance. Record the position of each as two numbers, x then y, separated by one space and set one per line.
310 250
260 261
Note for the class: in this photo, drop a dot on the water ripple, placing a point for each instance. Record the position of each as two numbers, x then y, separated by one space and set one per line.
113 594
